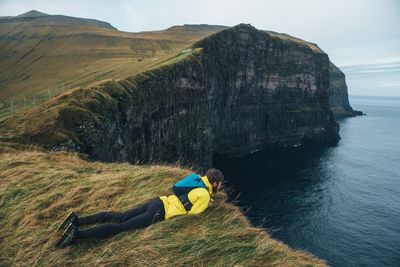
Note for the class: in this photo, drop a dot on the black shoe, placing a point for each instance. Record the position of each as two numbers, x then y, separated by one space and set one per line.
69 236
71 218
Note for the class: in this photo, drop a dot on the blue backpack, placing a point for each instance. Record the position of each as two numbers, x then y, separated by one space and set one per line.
188 183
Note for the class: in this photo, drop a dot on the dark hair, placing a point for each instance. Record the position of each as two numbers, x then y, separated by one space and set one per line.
214 175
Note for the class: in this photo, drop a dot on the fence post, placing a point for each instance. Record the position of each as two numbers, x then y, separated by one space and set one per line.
34 100
25 100
49 93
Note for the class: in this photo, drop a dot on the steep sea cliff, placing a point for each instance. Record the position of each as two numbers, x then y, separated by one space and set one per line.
232 93
339 98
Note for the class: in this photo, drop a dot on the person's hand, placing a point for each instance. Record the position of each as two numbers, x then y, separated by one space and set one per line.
211 202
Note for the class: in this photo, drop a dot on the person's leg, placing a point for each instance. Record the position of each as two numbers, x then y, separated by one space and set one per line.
153 213
111 216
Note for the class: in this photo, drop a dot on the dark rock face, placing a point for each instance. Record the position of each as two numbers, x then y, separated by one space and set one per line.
266 92
236 91
339 98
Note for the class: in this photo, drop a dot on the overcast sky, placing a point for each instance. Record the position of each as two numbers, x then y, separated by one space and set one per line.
362 37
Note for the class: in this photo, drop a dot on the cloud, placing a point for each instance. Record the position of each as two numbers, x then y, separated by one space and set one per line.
372 68
373 79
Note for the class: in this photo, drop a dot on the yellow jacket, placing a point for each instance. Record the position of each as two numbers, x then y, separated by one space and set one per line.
199 198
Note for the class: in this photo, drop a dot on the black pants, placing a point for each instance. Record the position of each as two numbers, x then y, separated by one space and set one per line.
139 217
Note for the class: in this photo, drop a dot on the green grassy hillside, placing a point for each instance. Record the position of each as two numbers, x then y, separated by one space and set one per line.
38 189
44 55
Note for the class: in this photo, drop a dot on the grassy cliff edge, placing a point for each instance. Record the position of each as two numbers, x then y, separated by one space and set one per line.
39 188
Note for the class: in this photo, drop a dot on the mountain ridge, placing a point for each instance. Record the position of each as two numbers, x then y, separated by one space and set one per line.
33 13
36 17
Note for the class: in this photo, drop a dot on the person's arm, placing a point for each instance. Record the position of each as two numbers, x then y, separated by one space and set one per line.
200 198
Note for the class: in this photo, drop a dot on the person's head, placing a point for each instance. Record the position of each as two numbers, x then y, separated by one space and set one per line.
215 177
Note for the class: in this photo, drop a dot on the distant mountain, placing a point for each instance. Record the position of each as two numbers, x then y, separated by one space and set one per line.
32 14
34 17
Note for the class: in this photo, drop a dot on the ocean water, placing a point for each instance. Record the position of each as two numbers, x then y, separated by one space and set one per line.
339 203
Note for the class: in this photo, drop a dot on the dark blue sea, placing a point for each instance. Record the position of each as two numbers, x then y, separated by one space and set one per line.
339 203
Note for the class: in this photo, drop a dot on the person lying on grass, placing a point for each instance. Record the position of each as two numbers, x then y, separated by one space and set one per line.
192 195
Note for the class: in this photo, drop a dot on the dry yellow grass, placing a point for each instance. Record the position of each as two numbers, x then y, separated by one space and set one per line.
37 189
53 57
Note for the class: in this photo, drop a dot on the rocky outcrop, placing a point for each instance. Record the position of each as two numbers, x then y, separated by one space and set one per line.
231 93
339 98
